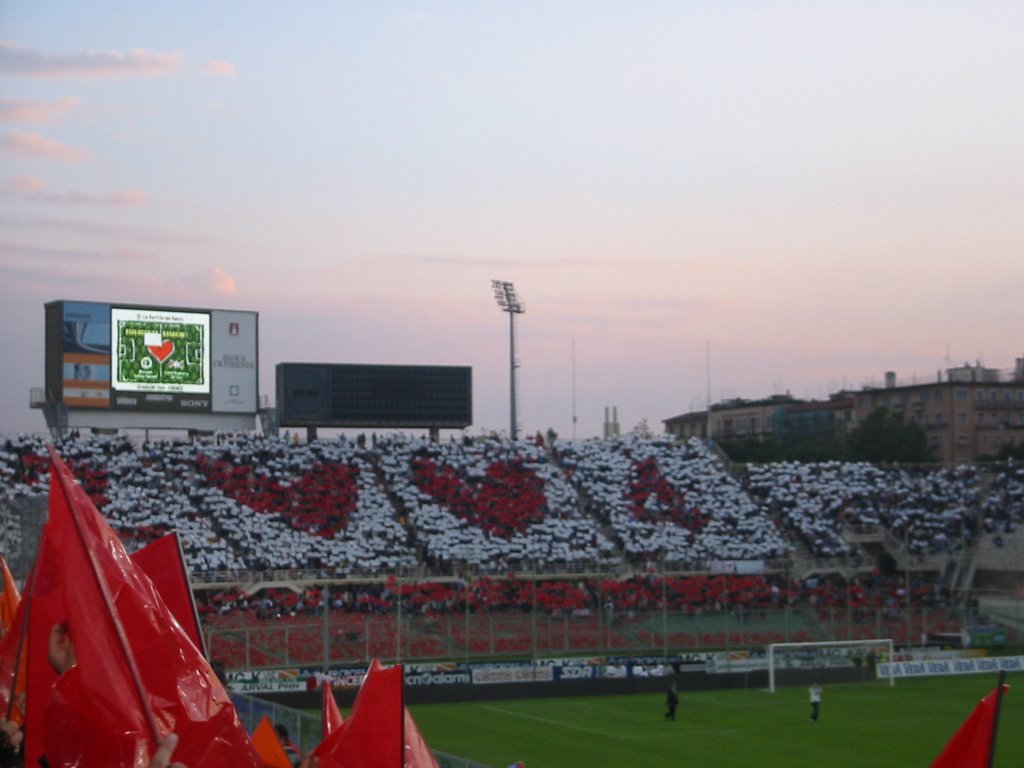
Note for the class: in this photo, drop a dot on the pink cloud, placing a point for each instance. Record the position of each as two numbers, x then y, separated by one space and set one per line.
33 188
25 185
144 234
33 145
74 255
221 68
25 111
217 280
30 62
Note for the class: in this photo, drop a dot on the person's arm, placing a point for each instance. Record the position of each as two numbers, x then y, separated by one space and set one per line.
10 743
60 651
162 756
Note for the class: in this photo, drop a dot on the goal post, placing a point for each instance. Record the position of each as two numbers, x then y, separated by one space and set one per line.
825 651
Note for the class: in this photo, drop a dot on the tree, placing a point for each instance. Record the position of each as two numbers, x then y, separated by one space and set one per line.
884 437
642 429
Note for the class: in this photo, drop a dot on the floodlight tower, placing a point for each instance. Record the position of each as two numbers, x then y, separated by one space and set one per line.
505 295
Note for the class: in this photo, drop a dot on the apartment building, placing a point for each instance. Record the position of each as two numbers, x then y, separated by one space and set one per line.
968 413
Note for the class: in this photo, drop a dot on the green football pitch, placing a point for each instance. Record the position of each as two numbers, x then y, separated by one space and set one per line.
862 725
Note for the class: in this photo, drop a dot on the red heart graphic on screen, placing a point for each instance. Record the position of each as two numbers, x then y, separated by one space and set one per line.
163 351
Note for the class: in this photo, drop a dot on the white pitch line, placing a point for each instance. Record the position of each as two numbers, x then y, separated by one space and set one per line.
560 724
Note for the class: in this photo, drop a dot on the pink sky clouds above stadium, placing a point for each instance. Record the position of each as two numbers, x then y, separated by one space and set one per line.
817 192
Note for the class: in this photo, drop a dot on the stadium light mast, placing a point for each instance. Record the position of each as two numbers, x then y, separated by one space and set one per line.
509 301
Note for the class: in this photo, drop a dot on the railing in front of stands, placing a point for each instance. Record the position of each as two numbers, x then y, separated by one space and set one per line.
251 579
340 638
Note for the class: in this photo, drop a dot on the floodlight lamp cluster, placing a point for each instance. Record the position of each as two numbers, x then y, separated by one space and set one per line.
505 295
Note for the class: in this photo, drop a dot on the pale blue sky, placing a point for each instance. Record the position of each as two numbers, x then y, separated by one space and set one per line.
821 190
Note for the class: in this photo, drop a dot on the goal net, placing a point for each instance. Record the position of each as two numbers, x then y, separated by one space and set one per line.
793 661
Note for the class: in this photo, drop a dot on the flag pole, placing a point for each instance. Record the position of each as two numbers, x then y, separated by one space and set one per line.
995 718
68 485
191 597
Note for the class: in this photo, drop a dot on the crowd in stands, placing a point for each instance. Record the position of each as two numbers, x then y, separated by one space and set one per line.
1002 506
817 501
483 504
486 502
668 500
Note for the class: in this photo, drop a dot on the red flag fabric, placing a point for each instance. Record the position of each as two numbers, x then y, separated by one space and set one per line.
417 753
138 677
162 562
9 599
971 745
45 609
330 716
372 735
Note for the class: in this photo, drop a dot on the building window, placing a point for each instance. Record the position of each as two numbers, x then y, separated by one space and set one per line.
960 394
980 417
979 394
937 395
961 417
961 439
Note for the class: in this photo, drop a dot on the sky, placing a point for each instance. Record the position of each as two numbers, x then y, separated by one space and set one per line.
694 199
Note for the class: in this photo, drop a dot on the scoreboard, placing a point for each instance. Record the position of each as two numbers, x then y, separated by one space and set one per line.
386 396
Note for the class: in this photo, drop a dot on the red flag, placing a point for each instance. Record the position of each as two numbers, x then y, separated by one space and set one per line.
330 716
138 676
44 609
9 600
417 753
162 561
973 744
372 735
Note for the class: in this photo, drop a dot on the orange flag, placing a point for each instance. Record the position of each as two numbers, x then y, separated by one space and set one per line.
9 600
268 745
12 666
973 745
138 675
330 716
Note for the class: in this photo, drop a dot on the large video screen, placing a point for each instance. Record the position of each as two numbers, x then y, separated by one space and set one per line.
160 351
160 359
